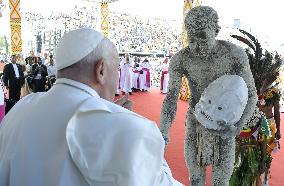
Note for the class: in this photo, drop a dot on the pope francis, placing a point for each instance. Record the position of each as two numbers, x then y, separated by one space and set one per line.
74 135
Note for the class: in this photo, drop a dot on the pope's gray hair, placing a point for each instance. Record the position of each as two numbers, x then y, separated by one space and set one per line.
104 50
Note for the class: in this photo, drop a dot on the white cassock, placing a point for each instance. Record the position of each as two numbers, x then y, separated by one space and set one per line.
2 95
143 77
82 140
118 84
2 101
126 78
119 75
165 73
135 78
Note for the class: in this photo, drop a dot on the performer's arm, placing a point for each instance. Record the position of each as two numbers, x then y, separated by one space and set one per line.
246 74
170 102
277 119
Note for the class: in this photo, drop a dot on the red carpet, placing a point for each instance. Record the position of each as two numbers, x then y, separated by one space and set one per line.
149 105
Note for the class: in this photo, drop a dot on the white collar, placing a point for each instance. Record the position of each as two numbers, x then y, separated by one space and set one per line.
78 85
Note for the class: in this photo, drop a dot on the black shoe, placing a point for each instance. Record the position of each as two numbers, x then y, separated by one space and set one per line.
116 94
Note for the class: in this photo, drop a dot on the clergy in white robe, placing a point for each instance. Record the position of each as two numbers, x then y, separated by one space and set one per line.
135 77
84 139
126 76
144 78
164 77
118 87
2 101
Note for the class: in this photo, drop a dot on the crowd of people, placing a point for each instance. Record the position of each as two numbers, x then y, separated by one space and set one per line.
22 76
136 33
139 74
38 73
128 32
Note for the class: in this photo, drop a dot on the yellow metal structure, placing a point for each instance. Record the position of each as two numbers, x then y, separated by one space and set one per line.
105 23
15 24
188 5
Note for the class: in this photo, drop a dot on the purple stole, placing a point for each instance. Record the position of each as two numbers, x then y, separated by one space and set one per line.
137 71
148 78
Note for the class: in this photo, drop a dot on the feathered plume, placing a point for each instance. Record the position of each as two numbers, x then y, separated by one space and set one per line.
264 67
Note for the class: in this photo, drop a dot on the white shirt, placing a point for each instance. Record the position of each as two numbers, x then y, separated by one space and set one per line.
82 140
51 70
16 70
45 61
28 68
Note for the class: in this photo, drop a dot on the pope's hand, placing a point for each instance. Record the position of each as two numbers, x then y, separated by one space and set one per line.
124 102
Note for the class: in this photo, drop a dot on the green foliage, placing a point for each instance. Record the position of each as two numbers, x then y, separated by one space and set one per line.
264 67
272 96
248 164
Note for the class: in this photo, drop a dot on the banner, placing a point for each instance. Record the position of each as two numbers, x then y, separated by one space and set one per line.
15 24
105 23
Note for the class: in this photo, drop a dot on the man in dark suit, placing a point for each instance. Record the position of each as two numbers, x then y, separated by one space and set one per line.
31 59
39 72
13 78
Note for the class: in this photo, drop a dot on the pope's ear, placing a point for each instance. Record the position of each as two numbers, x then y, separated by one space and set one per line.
99 71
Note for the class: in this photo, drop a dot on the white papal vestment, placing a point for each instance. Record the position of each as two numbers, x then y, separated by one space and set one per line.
69 136
126 78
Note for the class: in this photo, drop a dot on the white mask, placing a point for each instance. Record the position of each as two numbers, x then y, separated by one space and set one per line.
222 103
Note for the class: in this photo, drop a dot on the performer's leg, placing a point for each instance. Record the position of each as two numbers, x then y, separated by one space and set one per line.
197 173
223 169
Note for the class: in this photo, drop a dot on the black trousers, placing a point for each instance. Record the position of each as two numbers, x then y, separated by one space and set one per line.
15 89
39 85
14 94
